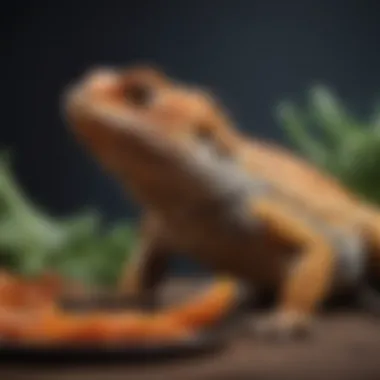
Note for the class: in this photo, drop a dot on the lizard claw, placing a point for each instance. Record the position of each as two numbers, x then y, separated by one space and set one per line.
282 326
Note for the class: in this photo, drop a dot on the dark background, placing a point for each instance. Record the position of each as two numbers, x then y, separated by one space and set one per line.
253 54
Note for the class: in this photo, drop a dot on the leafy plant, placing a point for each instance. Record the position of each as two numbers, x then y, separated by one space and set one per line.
31 241
327 134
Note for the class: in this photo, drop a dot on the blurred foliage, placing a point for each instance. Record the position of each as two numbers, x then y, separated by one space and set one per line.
336 141
31 241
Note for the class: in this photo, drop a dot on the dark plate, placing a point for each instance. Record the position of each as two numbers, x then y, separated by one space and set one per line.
205 342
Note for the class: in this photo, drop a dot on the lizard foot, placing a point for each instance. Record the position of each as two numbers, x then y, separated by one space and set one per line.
282 326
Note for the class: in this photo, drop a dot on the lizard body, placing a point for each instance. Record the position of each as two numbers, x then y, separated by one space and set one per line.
237 205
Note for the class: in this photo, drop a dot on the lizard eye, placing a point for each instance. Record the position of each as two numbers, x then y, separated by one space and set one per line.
138 94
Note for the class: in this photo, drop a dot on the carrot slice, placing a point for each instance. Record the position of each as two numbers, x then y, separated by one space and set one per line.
207 308
29 313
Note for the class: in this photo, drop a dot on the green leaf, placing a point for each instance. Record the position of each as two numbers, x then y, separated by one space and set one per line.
375 119
353 147
329 115
295 124
74 246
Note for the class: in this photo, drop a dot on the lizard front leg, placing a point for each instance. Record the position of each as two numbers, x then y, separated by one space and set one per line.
148 264
308 282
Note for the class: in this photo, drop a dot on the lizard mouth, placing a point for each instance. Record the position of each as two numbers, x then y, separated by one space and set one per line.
78 96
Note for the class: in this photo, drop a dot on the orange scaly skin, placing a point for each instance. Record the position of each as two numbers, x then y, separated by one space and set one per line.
239 206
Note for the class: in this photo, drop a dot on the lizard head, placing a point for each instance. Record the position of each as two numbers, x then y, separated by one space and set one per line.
142 125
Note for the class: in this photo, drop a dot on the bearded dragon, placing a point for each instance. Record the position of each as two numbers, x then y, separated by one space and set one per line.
237 205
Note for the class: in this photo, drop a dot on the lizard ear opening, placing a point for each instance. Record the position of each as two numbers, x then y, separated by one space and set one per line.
204 133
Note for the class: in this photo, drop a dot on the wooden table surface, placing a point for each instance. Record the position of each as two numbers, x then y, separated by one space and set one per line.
345 346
